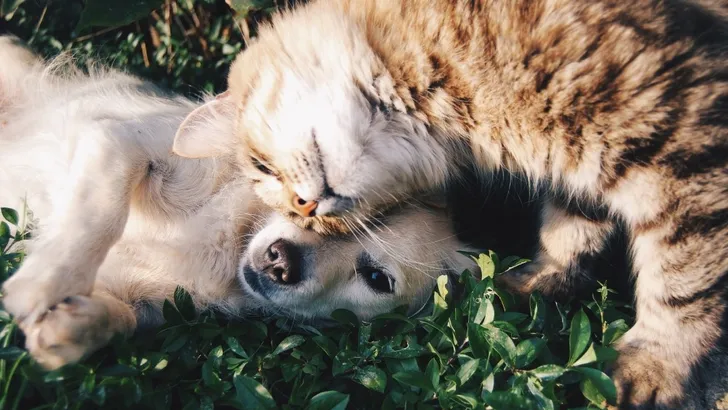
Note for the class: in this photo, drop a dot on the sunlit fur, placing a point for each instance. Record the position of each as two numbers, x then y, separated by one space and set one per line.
119 222
619 105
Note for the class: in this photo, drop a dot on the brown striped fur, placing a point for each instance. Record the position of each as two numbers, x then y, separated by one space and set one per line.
622 105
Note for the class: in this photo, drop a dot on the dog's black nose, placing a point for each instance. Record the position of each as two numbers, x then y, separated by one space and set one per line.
283 263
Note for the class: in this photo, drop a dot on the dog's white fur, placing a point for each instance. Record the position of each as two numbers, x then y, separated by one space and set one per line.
119 221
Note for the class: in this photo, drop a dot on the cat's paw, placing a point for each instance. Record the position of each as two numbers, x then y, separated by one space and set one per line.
69 331
647 381
38 285
545 276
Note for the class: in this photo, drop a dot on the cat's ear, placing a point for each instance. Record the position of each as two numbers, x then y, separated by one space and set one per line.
208 130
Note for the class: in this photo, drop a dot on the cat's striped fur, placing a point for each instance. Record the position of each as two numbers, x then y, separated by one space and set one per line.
622 105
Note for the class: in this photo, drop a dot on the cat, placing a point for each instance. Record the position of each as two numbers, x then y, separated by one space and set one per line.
342 108
118 222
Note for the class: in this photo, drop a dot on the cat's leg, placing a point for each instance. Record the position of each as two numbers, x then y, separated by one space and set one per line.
76 327
570 240
89 215
679 235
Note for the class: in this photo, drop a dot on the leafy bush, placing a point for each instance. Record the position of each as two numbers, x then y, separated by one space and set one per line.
176 44
479 349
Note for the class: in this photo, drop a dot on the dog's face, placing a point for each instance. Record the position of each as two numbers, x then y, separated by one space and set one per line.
300 274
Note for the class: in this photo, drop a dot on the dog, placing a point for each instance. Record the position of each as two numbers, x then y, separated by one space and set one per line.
119 221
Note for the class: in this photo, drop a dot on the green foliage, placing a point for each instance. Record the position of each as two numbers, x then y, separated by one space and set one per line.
184 45
481 349
111 13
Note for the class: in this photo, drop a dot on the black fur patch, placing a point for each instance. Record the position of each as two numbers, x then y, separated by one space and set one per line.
685 164
703 225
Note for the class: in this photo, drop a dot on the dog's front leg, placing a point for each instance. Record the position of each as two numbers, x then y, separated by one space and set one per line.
89 214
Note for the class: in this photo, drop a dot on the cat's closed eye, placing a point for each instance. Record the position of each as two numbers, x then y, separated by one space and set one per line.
262 167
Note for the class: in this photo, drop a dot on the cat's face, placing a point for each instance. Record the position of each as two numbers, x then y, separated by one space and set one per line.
313 143
292 272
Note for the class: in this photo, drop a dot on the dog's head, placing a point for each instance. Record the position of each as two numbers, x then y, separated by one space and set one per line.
300 274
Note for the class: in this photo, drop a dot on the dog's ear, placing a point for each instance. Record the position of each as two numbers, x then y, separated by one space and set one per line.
208 130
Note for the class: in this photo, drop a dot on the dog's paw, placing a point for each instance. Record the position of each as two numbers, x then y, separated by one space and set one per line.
646 381
69 331
37 286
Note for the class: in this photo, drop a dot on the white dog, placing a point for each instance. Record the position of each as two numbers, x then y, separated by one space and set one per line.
119 221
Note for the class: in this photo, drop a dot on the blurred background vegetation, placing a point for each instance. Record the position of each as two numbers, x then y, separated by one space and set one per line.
183 45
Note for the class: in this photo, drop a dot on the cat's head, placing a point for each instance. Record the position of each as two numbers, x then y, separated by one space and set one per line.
316 125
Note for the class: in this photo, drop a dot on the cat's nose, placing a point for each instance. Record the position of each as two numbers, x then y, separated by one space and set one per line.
303 207
283 263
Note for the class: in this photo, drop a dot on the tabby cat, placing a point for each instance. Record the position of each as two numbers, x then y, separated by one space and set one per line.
341 108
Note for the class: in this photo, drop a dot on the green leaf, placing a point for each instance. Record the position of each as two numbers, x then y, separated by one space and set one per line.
174 342
432 372
580 336
326 345
235 347
414 379
251 394
544 403
395 352
442 285
538 313
548 372
507 400
601 382
329 400
527 351
10 353
614 331
183 303
441 293
345 317
118 370
605 354
513 262
171 314
209 374
206 403
467 370
289 343
114 13
478 341
590 391
485 313
343 362
10 215
486 265
246 6
371 378
4 234
9 7
589 357
501 343
465 400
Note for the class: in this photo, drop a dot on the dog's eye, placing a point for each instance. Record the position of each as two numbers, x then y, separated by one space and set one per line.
261 167
377 280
